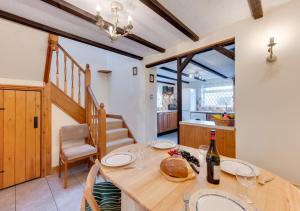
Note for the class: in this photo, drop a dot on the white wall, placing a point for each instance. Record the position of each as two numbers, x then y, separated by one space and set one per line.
22 52
267 95
120 91
59 119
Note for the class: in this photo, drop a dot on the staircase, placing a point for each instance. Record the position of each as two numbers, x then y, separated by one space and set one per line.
71 91
117 135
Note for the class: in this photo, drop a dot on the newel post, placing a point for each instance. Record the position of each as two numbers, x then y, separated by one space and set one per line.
87 96
52 46
101 131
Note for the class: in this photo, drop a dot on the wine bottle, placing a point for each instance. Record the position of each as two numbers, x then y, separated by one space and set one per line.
213 160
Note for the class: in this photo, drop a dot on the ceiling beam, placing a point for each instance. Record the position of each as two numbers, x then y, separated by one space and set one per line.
184 74
172 19
163 82
186 62
229 54
202 49
80 13
42 27
170 78
204 67
256 8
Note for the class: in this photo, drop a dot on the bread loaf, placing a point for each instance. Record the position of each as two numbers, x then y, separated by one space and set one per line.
174 167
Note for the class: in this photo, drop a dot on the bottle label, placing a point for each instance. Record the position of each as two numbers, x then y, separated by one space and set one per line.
216 172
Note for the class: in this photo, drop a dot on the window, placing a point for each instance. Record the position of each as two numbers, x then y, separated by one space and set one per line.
217 97
159 97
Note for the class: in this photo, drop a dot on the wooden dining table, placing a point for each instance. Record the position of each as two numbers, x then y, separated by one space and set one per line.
145 188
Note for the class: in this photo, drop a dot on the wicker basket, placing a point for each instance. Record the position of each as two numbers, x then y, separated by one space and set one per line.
224 122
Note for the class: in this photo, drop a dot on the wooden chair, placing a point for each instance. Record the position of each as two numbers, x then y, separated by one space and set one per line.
110 194
74 146
88 197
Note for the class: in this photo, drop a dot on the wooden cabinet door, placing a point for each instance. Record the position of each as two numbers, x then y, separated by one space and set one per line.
20 136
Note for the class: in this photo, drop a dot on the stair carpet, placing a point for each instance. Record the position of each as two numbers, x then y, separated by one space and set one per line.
116 135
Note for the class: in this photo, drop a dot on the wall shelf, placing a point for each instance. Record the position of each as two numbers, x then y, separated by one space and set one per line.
104 71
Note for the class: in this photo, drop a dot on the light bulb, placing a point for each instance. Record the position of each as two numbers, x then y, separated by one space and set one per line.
110 29
190 75
129 19
98 9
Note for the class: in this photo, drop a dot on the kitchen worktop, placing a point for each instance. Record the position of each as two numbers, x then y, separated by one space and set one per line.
165 111
211 112
207 124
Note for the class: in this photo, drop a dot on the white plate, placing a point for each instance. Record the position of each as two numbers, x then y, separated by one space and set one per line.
231 165
118 159
215 200
164 145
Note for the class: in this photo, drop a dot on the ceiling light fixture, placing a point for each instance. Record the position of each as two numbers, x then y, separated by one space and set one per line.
113 30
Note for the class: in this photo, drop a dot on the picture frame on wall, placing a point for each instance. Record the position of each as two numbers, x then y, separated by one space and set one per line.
134 71
151 78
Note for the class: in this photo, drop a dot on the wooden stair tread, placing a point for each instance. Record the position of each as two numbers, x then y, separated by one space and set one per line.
116 130
113 120
111 145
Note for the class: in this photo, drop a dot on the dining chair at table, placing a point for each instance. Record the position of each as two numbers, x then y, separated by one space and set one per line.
100 196
75 146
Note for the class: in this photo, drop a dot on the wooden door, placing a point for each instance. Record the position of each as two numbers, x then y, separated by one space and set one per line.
20 136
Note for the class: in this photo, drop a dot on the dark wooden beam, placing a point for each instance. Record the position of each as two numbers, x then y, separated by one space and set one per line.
206 48
163 82
80 13
204 67
179 97
229 54
184 74
170 78
172 19
42 27
256 8
186 62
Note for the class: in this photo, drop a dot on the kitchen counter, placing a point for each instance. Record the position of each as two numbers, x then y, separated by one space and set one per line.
208 124
211 112
194 133
166 111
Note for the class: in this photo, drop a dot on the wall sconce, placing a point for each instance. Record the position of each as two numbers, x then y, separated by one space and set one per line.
271 58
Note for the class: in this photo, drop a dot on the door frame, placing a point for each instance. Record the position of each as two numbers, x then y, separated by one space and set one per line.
46 142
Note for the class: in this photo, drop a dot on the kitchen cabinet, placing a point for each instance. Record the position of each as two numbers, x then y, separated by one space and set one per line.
166 121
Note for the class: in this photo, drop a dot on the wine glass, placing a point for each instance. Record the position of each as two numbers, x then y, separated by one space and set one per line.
141 154
246 176
203 151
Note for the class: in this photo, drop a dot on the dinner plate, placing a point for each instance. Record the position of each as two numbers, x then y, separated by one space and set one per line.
216 200
231 165
118 159
164 145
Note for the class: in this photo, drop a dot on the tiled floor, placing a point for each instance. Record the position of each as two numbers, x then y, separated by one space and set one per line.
46 194
170 137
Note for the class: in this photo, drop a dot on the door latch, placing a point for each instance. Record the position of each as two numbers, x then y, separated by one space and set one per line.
35 122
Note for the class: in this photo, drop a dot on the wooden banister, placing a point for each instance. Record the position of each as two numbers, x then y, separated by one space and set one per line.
102 131
52 46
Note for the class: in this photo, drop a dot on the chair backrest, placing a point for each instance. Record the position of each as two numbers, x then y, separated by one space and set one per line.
88 197
70 135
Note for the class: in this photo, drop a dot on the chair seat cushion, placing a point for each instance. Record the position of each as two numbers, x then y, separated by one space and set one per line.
107 196
79 151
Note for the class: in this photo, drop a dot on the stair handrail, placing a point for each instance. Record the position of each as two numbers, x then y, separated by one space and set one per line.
96 119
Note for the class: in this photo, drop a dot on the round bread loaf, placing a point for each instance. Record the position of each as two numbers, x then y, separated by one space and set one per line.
174 167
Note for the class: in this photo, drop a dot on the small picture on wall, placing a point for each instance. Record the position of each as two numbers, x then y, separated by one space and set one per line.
151 78
134 71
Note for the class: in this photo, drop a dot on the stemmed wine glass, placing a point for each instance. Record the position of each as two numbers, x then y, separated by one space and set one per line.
203 151
246 176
